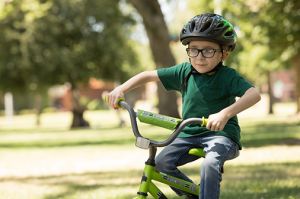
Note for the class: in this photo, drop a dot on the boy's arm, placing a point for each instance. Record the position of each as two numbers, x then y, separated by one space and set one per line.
217 122
134 82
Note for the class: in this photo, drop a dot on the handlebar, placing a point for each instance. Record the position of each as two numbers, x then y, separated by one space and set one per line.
143 142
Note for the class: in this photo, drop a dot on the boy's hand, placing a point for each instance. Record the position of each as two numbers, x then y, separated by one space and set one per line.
217 121
113 97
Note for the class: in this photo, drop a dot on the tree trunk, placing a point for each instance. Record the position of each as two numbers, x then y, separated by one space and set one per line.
38 109
159 39
77 111
270 93
296 66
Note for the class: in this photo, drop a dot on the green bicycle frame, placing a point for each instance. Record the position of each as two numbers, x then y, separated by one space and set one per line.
150 174
147 186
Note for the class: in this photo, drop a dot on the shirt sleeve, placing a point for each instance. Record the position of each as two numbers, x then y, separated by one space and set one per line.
238 85
172 77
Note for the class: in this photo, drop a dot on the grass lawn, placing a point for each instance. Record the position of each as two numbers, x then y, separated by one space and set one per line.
53 162
274 181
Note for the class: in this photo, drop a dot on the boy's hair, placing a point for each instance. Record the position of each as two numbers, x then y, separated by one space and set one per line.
210 27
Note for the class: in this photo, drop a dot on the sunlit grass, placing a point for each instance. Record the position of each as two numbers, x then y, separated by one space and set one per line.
60 120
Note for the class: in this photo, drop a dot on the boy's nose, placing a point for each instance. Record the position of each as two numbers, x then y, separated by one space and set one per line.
200 56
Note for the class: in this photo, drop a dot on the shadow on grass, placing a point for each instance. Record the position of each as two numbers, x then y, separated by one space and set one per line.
257 135
49 144
46 138
270 181
56 130
271 134
76 185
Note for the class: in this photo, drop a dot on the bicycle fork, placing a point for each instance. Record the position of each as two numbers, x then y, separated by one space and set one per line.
147 186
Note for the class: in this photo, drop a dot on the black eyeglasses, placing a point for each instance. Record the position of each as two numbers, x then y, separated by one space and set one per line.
206 52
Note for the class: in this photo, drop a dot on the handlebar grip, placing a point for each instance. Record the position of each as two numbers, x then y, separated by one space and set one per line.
204 121
105 99
120 100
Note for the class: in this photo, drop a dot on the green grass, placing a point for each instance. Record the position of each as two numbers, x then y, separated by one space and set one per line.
271 133
260 134
274 181
53 141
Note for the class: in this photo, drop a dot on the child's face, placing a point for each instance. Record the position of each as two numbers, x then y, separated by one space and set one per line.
212 55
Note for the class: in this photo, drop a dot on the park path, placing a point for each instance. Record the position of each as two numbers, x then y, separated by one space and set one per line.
69 161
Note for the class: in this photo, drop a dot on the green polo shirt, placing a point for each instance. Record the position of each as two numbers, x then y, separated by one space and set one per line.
206 94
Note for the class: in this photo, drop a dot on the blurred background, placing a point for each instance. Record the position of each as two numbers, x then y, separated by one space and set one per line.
58 57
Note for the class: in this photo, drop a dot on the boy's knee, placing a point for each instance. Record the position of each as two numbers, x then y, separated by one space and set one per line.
158 163
162 164
211 165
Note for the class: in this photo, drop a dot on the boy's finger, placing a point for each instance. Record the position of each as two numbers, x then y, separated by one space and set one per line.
116 105
105 98
208 126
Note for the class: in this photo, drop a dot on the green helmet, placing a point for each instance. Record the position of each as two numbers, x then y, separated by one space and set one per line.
211 27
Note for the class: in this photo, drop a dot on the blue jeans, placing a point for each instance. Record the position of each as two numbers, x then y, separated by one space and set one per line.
218 149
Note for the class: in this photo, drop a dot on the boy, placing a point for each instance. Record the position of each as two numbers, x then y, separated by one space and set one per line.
208 89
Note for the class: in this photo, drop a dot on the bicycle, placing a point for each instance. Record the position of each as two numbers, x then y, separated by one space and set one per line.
150 174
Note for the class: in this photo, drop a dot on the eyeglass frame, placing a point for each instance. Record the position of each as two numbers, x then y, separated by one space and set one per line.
201 50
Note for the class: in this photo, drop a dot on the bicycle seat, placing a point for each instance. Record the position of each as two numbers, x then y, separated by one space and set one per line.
197 152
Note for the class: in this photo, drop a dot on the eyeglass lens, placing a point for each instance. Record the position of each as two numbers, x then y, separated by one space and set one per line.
206 52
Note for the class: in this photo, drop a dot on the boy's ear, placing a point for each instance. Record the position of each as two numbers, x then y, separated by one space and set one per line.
225 54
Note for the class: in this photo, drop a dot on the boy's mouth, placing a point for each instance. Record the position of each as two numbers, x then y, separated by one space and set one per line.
201 65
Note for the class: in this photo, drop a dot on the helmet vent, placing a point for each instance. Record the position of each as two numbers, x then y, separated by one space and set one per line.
205 26
192 26
220 25
228 34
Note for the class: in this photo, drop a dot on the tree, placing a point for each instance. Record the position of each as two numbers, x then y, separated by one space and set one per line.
52 42
159 40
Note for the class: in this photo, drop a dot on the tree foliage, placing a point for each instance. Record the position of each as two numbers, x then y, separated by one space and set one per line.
48 42
51 41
